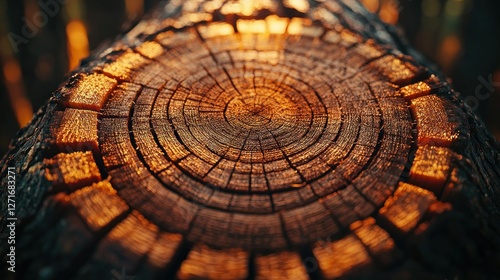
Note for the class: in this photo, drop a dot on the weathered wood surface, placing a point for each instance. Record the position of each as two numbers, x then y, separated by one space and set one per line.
245 140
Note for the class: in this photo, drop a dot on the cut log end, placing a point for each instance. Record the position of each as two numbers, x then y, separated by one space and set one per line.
282 146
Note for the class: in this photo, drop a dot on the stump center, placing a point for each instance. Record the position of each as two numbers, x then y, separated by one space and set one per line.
258 111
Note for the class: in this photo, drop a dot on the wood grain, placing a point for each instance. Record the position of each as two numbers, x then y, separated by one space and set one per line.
256 140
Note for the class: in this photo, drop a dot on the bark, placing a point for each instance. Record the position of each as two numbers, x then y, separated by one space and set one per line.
282 140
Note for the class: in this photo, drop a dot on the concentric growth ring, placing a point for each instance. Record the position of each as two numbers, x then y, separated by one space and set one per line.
244 128
255 140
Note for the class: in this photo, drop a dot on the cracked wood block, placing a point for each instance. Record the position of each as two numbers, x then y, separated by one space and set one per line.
343 257
431 168
205 263
77 130
69 172
256 139
283 265
434 121
87 92
404 210
135 231
98 205
161 256
380 244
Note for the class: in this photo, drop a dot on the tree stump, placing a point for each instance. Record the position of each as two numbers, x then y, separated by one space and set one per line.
255 140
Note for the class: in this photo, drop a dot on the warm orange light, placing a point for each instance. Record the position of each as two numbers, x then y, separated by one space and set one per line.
276 25
299 5
246 7
150 49
389 12
13 81
371 5
134 7
295 27
216 29
496 79
449 51
78 45
44 67
12 71
251 26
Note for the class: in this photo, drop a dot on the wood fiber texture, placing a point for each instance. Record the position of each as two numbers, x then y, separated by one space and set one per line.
256 140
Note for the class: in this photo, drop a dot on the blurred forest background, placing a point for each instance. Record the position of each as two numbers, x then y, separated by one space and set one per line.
42 40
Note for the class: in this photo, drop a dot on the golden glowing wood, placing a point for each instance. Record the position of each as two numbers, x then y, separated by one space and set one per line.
88 92
256 140
77 130
431 167
406 207
98 204
433 123
72 171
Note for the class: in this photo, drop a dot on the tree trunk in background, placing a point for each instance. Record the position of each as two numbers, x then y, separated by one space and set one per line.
273 140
